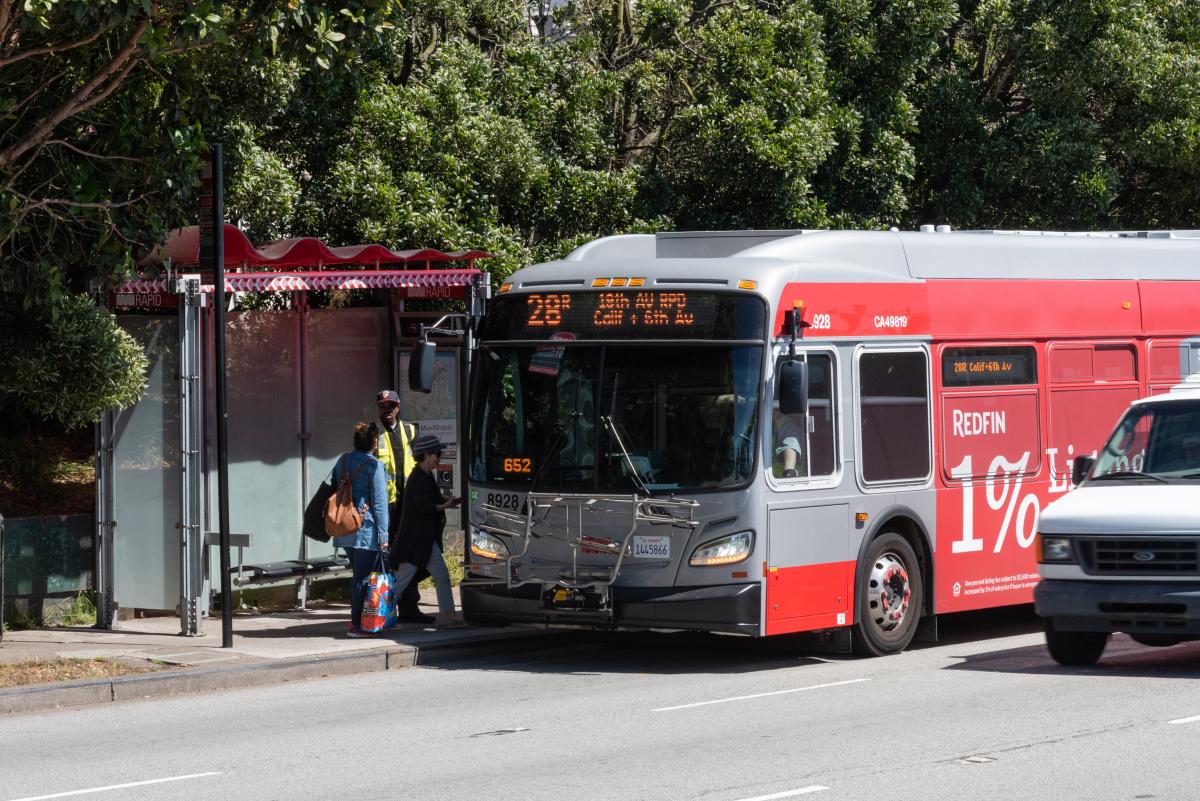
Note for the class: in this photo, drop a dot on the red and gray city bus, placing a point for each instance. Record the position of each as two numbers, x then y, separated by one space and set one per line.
640 456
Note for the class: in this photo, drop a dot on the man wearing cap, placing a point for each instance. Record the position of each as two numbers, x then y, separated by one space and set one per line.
395 437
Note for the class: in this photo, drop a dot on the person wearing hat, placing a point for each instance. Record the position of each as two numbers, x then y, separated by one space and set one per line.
393 451
419 540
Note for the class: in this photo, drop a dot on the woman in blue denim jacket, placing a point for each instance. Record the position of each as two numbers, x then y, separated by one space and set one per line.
368 481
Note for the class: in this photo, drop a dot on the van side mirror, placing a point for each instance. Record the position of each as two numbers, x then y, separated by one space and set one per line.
1080 467
420 367
791 387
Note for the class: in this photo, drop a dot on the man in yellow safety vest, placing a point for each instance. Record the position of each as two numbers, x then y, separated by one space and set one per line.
393 450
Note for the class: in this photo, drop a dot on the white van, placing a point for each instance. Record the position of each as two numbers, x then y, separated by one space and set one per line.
1121 552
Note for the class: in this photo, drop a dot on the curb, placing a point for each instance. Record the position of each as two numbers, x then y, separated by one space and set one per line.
42 697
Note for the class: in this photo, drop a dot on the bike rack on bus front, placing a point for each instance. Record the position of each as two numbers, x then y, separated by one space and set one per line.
675 512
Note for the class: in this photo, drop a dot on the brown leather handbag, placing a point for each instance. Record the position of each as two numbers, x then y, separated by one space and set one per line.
341 514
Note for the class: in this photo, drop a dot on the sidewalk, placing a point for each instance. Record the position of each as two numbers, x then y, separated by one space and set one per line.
267 649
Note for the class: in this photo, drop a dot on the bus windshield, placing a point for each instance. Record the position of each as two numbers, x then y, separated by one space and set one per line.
616 417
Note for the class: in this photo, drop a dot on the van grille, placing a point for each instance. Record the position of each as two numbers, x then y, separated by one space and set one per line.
1140 557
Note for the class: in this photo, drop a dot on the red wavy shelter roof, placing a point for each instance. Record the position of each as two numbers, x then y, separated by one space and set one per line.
274 266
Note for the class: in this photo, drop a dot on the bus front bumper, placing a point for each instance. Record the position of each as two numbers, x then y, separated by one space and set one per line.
1142 607
728 608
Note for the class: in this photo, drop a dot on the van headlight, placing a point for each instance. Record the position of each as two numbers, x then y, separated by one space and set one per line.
725 551
487 546
1054 549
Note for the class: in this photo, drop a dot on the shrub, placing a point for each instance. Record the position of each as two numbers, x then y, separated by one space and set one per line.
67 361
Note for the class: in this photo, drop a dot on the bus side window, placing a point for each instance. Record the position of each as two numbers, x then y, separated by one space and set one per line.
803 446
894 415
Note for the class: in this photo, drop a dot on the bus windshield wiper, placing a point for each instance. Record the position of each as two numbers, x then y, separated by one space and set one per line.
1126 474
634 473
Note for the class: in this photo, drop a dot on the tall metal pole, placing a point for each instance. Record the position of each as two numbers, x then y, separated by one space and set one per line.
218 213
1 577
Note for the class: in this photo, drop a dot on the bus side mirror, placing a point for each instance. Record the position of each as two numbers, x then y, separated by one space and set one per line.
1080 467
791 387
420 367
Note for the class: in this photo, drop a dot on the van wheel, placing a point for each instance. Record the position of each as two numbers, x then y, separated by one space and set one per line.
889 597
1075 648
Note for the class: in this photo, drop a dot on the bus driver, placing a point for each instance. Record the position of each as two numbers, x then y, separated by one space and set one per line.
789 431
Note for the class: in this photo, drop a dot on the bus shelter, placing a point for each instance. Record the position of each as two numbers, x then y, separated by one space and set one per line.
298 378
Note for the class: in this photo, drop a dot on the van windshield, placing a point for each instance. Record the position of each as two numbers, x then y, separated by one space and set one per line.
1159 440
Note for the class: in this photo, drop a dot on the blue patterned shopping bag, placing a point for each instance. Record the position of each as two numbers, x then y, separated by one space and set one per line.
379 601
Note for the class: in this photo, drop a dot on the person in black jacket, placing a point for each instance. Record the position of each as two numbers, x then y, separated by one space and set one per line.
419 539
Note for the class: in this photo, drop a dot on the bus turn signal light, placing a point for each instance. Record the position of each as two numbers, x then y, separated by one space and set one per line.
747 284
599 282
505 288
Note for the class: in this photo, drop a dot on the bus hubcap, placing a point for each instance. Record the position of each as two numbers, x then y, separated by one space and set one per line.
890 592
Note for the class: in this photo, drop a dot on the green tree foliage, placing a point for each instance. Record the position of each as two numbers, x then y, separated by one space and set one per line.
1076 114
68 367
104 106
488 123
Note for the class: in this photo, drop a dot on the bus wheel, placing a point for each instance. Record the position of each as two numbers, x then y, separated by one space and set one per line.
889 597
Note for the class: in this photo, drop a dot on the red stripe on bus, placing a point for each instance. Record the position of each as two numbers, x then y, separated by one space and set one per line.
809 597
1006 309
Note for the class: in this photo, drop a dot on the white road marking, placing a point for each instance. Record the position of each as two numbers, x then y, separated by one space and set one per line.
759 695
1192 719
117 786
815 788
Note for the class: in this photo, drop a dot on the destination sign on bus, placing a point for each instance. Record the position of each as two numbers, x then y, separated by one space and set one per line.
648 314
966 367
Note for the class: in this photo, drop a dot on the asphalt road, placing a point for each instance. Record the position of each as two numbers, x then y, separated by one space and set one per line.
984 714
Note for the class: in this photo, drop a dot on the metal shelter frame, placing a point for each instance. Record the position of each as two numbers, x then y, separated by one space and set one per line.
265 269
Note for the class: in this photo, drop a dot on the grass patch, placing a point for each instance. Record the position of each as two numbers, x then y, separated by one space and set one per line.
80 612
41 671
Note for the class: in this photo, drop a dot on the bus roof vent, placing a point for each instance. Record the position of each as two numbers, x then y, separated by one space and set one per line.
712 244
927 228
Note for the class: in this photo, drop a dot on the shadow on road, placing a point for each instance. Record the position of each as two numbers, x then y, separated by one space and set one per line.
1122 658
595 652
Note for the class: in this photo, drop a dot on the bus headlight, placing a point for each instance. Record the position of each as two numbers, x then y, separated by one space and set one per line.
487 546
725 551
1054 549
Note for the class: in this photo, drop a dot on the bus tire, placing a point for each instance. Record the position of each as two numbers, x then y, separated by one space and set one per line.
889 596
1075 648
